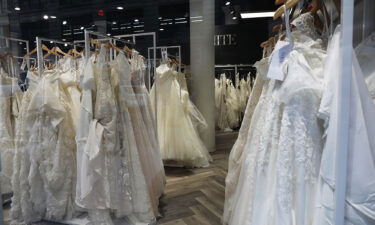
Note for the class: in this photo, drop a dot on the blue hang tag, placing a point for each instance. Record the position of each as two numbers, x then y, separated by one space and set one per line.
280 53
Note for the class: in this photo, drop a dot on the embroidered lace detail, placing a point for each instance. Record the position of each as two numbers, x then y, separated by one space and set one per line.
305 24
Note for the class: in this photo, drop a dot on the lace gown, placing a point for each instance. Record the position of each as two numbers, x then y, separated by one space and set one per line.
156 173
178 137
112 179
236 154
221 105
44 162
281 157
10 100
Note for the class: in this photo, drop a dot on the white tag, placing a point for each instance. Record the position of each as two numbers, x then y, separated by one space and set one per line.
23 65
281 51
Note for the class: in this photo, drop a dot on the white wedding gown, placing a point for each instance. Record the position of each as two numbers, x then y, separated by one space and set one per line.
178 137
360 192
118 173
236 154
44 173
281 156
10 101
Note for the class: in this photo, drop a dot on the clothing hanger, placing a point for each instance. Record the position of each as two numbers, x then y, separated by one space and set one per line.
277 28
279 2
280 11
32 52
49 51
79 54
58 50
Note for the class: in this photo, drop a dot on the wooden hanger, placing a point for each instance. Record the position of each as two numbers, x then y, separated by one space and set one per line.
277 28
315 7
74 51
6 55
32 52
58 50
95 42
279 2
280 11
49 51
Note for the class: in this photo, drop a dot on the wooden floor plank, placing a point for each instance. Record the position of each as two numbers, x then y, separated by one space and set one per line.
201 191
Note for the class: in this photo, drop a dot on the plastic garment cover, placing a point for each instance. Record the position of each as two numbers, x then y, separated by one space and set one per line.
360 196
366 53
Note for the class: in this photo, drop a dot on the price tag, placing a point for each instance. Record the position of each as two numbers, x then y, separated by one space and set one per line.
23 65
281 52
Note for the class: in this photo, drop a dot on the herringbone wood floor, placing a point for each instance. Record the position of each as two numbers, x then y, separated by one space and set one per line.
192 196
196 196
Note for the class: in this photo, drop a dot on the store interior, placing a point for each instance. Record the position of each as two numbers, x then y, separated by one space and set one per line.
187 112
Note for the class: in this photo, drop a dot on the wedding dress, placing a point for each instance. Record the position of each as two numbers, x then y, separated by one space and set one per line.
221 104
236 154
365 52
117 174
144 129
281 157
10 100
232 102
69 76
44 163
178 138
360 199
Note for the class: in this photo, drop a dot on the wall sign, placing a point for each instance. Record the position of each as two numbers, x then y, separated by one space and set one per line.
225 40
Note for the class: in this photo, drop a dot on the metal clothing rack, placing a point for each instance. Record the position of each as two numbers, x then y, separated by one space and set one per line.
7 39
104 37
39 41
99 39
134 37
178 56
235 66
153 35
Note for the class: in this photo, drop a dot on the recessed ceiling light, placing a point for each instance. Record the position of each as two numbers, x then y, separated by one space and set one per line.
234 17
53 17
249 15
114 22
82 28
160 18
20 43
65 45
136 20
17 8
64 22
109 34
232 11
119 7
45 17
161 29
51 42
63 39
227 3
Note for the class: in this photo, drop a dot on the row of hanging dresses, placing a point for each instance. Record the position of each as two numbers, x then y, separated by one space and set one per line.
120 172
178 121
230 101
87 147
10 101
274 165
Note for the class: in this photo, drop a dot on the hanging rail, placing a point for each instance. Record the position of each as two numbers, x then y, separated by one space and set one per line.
19 40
